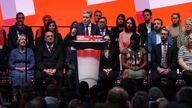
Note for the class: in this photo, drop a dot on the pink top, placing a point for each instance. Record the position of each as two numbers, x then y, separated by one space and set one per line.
124 40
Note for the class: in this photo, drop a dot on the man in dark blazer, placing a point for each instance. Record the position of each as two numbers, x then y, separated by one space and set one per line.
16 30
49 60
104 31
3 51
164 60
85 27
145 27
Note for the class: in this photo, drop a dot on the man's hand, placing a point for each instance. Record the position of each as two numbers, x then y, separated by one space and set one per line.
52 71
166 71
21 69
73 31
47 71
160 70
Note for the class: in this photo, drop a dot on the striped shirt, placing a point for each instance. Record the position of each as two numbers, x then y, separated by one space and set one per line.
186 55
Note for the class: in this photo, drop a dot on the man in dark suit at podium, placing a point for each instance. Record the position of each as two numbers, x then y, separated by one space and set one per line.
16 30
86 27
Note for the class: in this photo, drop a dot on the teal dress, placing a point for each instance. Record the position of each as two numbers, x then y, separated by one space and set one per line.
134 58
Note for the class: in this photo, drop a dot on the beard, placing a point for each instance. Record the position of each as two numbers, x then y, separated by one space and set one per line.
157 30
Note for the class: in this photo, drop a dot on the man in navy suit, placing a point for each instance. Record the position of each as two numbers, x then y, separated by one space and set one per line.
103 29
97 15
86 27
164 59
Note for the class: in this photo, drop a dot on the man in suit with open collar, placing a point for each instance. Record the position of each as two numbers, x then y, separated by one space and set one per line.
16 30
164 60
147 26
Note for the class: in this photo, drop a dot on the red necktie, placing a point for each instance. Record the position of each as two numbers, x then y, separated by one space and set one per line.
50 49
164 59
86 31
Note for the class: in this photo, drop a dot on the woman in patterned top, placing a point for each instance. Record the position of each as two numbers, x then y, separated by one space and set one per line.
134 59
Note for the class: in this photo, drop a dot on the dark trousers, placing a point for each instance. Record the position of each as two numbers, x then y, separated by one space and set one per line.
41 78
187 76
168 87
156 77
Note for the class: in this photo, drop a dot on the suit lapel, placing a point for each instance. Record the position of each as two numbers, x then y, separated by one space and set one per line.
145 27
82 28
152 26
92 29
168 52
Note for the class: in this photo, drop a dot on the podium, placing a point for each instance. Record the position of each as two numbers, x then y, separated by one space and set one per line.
88 58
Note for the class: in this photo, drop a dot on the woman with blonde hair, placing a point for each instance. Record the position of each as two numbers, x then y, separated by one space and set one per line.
21 63
185 60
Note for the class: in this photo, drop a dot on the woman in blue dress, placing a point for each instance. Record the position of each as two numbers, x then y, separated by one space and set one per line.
21 63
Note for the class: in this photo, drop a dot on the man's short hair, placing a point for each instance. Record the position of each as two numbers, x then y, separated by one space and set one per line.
97 11
147 10
19 13
103 18
88 12
165 29
189 19
159 20
185 95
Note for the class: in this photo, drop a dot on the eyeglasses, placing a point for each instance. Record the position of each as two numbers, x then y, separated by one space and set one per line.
165 34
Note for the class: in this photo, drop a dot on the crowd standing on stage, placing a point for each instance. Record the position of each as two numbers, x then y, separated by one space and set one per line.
147 65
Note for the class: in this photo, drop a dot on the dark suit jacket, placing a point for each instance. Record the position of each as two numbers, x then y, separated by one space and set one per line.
12 37
81 29
3 51
142 29
171 57
45 60
110 33
108 62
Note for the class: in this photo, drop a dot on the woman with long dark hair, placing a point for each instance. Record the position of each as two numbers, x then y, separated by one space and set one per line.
120 26
51 26
124 37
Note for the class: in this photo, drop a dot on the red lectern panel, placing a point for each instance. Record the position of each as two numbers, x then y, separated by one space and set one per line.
88 57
